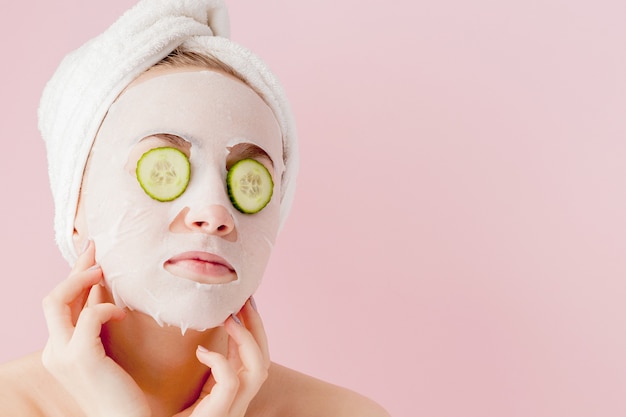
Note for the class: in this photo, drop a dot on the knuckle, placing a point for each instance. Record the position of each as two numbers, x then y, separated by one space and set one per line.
79 356
48 302
89 313
264 374
261 369
231 383
260 375
46 358
53 362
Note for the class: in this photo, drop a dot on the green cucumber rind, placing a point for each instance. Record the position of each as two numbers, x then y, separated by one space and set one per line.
149 188
240 202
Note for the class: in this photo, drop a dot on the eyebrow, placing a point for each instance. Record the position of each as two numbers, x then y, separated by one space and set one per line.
250 150
173 139
245 150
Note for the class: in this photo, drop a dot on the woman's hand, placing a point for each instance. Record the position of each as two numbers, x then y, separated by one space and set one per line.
74 353
237 377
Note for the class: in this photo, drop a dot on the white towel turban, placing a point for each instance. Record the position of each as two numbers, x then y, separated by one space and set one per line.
76 99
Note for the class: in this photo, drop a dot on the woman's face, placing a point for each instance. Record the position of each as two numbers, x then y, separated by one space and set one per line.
193 261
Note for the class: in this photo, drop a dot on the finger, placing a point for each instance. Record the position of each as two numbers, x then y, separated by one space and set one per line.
85 262
87 258
254 370
254 324
247 346
232 354
75 285
225 384
62 305
92 318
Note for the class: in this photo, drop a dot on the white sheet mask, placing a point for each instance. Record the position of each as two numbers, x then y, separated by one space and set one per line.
136 235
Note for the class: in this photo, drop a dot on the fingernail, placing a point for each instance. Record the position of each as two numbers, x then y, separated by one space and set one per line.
253 304
236 319
91 268
85 246
202 349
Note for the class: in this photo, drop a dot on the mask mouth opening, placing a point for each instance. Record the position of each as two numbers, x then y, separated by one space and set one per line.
201 267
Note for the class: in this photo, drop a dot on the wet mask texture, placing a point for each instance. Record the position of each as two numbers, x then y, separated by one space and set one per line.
137 237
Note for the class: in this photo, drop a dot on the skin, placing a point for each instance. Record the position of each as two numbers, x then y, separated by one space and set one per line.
101 360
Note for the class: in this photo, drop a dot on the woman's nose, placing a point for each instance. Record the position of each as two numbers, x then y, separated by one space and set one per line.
213 219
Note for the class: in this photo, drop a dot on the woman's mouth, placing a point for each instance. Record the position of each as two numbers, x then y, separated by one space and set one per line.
202 267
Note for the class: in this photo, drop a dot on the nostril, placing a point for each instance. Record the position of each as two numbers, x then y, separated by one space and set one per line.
206 226
194 221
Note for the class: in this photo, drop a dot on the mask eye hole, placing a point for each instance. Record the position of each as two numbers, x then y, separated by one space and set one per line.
247 150
163 173
250 186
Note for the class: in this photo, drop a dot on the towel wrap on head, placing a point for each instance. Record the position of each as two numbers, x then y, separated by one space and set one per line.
88 80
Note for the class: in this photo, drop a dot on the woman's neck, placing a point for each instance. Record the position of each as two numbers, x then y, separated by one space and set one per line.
161 360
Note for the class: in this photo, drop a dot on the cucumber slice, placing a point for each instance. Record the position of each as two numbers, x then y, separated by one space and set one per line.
163 173
250 186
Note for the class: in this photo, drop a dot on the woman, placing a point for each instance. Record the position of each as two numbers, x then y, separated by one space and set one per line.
172 156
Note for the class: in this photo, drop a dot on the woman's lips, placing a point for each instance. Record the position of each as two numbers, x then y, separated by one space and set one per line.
201 267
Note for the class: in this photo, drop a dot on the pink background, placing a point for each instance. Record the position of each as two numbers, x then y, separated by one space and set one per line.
457 243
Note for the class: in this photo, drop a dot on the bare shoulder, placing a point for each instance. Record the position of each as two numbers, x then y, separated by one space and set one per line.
28 390
298 395
16 397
